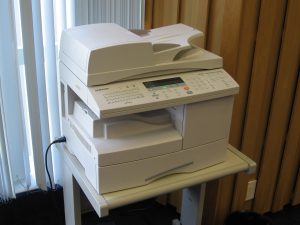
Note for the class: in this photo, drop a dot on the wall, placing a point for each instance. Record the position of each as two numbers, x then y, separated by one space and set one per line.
259 41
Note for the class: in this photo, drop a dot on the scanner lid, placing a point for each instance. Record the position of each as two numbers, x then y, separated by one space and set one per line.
103 53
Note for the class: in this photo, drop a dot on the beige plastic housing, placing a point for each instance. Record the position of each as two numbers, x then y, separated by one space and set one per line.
104 53
138 107
109 161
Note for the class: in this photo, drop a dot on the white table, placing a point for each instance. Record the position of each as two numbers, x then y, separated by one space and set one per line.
193 185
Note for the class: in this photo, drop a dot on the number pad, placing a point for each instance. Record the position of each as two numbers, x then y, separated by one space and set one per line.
123 96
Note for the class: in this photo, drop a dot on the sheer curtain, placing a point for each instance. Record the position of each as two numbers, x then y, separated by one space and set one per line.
29 35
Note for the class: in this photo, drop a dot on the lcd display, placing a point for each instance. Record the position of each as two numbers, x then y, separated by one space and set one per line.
163 82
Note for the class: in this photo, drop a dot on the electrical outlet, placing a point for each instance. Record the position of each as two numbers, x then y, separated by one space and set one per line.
251 190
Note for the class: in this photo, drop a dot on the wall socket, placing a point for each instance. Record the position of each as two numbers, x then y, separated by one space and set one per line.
251 190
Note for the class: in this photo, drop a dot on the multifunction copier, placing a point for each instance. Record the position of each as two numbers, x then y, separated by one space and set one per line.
140 105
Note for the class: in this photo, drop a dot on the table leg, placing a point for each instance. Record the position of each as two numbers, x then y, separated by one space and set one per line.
71 198
192 205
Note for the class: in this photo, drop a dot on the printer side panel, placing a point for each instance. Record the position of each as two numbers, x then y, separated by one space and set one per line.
74 88
207 121
72 91
203 122
204 127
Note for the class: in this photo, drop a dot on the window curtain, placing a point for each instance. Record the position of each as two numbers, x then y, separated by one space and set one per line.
11 126
6 185
29 40
30 109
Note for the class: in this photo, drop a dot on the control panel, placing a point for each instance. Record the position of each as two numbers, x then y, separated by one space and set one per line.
164 91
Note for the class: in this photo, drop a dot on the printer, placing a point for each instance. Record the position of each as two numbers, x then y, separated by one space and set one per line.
140 105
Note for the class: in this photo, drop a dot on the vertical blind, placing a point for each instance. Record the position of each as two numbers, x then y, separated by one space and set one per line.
5 173
260 46
12 124
29 116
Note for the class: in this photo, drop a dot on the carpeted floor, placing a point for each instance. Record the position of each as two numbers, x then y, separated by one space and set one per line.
38 207
157 214
34 208
290 215
144 213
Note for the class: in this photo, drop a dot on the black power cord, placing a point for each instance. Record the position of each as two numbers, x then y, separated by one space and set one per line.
58 140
